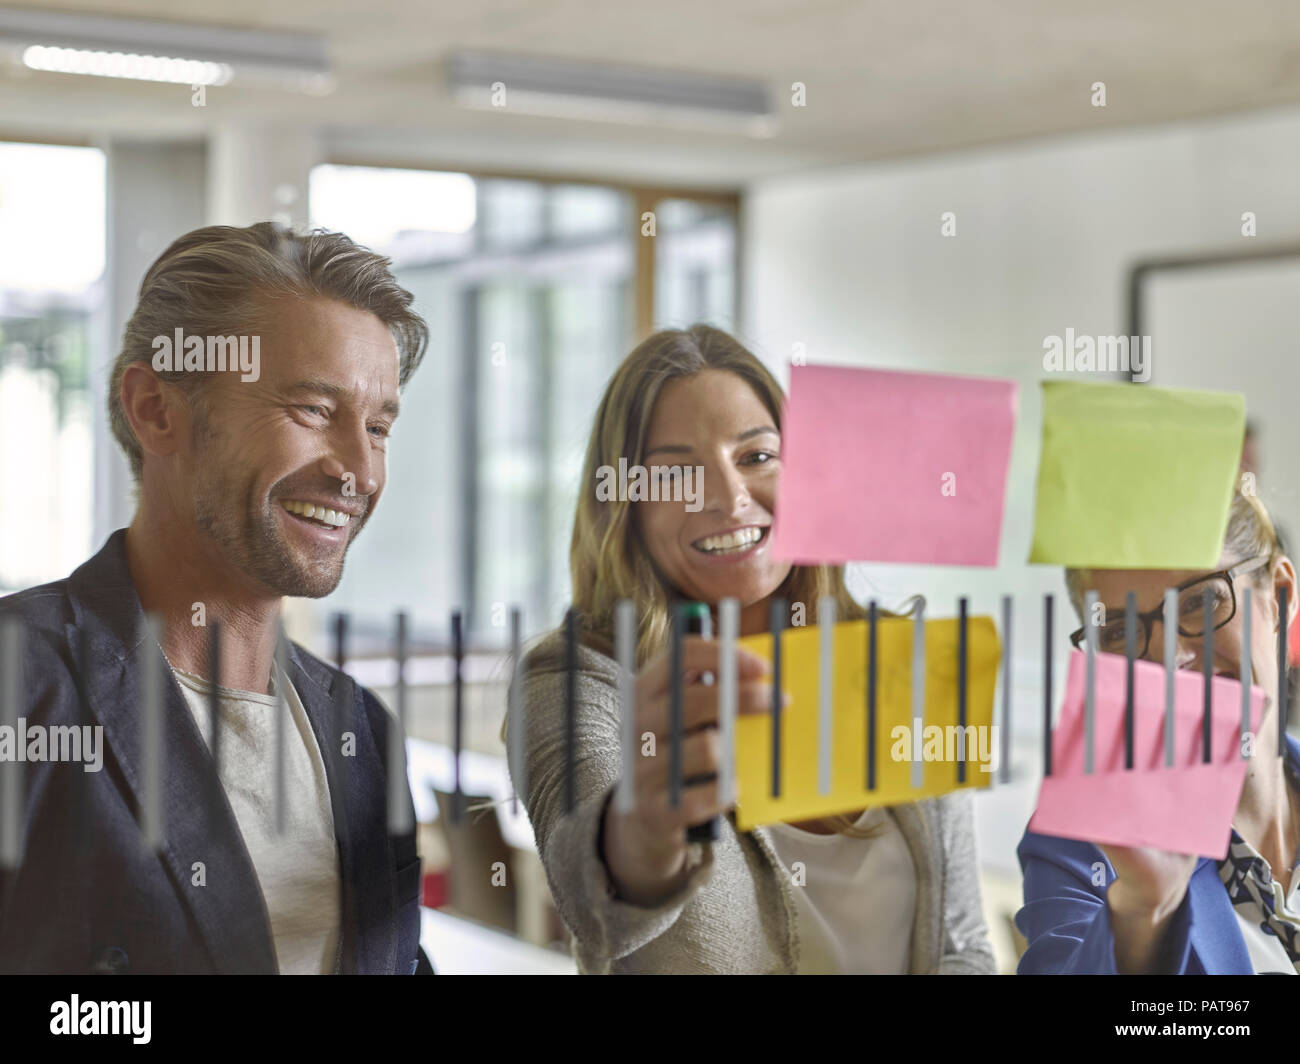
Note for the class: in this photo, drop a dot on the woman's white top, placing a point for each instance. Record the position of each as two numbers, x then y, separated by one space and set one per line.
855 898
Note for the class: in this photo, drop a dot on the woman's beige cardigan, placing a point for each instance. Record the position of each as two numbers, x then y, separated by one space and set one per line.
735 912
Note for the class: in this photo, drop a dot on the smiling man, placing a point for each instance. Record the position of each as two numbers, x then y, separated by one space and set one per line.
250 488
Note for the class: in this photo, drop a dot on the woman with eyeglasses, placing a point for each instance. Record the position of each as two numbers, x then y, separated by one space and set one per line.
1092 909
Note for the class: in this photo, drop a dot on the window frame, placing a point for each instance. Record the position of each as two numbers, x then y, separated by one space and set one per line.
643 197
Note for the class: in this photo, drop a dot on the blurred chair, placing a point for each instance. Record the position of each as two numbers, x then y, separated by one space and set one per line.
1001 893
475 847
1018 940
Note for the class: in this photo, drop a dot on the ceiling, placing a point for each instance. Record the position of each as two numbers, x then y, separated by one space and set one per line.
884 78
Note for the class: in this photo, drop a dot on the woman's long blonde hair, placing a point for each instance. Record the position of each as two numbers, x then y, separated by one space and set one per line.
607 558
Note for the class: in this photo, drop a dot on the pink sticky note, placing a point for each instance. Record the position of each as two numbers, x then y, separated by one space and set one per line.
1185 808
880 465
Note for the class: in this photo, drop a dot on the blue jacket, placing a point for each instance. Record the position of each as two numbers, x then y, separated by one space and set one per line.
89 895
1067 924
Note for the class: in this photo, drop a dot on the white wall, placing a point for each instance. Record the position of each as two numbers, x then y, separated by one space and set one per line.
851 264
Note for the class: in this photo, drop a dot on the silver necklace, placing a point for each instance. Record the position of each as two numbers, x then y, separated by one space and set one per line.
172 666
159 645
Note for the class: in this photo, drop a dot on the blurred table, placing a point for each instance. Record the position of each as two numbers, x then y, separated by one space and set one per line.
432 766
462 947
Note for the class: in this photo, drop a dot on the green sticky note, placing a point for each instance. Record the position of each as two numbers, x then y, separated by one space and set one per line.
1135 477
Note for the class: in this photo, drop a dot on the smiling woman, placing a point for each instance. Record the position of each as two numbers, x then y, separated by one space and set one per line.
878 891
694 397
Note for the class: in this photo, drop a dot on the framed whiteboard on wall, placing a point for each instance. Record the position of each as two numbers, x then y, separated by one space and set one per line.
1230 321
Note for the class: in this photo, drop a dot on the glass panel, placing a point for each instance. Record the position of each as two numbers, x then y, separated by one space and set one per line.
529 313
590 323
513 214
1191 604
52 230
695 264
409 556
1111 638
586 210
511 454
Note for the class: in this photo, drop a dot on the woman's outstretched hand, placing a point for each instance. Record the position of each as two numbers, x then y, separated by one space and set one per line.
645 850
1149 888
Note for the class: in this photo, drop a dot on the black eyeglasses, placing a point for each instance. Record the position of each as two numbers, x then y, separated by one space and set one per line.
1112 637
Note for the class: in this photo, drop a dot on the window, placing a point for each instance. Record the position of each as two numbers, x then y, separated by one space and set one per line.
52 225
530 291
695 257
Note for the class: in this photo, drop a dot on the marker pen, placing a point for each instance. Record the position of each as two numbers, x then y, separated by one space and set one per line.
699 622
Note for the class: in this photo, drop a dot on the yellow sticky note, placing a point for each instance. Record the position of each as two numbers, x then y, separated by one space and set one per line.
898 744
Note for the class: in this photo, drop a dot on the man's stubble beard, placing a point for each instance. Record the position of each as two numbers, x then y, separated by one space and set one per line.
256 544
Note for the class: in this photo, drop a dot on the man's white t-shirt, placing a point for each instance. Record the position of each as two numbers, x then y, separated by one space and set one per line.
299 870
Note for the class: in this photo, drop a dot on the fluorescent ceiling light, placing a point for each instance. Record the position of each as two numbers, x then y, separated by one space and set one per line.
564 88
152 50
122 65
